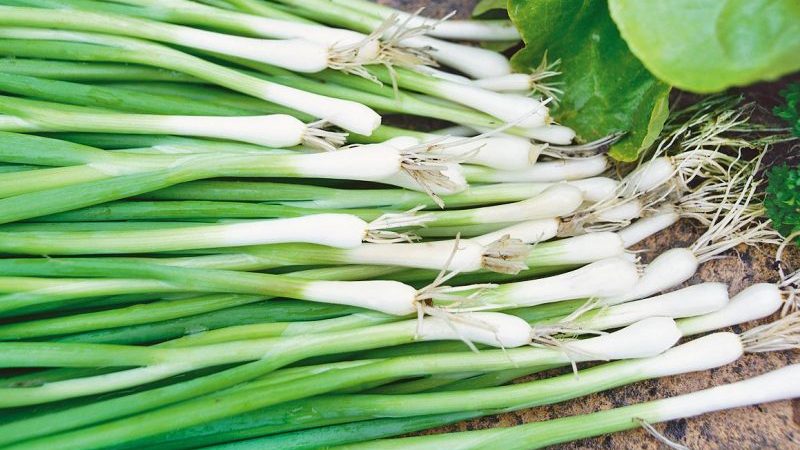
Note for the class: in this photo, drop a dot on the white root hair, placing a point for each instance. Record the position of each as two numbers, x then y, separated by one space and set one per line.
436 290
735 223
315 136
506 255
790 288
651 430
381 230
428 171
782 334
540 83
391 52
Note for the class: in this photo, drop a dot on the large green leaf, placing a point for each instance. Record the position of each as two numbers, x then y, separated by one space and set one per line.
606 88
710 45
485 6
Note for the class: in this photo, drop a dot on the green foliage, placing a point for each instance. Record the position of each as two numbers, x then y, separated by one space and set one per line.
790 112
606 88
710 45
783 199
487 6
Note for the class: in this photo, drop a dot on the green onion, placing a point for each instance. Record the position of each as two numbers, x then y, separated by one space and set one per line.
160 363
295 54
102 48
639 340
277 130
772 386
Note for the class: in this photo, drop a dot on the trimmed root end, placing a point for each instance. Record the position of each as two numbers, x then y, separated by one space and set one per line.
393 53
428 171
390 52
437 290
506 255
316 137
380 230
782 334
455 319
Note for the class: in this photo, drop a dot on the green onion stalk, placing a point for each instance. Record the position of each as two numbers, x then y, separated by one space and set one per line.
275 131
388 296
480 30
702 354
186 99
715 350
639 340
97 176
347 50
475 62
756 302
310 196
542 255
42 43
772 386
91 71
162 331
120 321
302 55
398 298
493 253
557 200
86 55
158 363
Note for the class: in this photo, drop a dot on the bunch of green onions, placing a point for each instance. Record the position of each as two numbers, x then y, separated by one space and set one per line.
210 239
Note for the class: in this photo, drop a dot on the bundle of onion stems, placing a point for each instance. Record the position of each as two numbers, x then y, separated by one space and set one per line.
210 239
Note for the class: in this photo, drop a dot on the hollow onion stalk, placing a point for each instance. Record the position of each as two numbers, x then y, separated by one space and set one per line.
362 48
160 363
107 176
91 71
542 172
342 230
503 152
704 353
276 130
176 328
310 196
93 61
753 303
556 201
473 61
185 307
769 387
558 253
605 278
171 98
93 47
295 54
387 296
646 338
478 30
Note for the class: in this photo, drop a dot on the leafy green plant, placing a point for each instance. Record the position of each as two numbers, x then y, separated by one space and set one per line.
710 45
619 57
783 199
790 112
606 89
